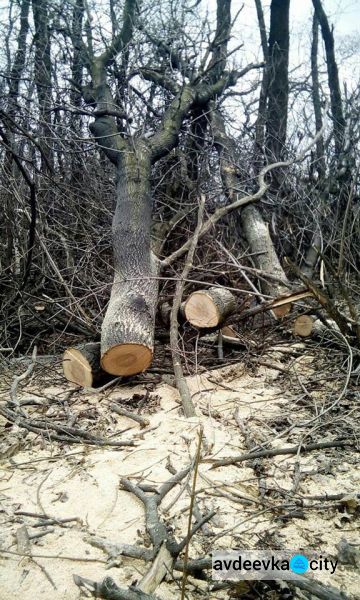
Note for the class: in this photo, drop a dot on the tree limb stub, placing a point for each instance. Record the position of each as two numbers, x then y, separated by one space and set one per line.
81 364
209 308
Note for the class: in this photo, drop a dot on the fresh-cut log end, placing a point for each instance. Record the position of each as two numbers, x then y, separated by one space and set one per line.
208 308
81 365
303 326
126 359
282 311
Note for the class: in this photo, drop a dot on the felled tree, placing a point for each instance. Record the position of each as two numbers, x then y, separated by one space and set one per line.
127 336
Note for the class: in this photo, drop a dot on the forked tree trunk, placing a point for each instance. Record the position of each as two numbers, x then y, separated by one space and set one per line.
127 335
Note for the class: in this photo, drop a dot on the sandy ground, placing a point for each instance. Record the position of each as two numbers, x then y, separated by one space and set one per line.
82 483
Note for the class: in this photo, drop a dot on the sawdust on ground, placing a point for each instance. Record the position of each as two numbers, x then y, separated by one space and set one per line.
82 483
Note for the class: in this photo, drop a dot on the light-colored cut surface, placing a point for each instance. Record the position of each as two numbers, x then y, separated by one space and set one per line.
281 311
76 368
208 308
303 326
201 311
126 359
228 332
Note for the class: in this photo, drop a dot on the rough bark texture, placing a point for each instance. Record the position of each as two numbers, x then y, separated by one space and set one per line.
42 76
15 74
261 119
315 91
254 228
81 365
19 59
333 77
312 255
127 336
77 67
208 308
165 310
256 232
278 88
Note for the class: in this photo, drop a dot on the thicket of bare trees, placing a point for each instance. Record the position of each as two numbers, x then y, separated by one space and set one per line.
124 115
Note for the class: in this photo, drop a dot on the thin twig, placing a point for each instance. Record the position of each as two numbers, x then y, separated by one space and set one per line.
192 500
277 452
181 384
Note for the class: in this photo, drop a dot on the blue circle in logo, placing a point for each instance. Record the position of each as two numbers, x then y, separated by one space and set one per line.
299 563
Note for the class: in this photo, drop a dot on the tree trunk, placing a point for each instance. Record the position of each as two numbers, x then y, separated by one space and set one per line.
254 228
261 118
315 91
127 335
15 74
256 232
342 172
278 90
333 77
42 76
75 93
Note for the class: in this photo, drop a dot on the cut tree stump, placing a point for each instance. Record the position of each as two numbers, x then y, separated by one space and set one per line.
208 308
127 332
81 364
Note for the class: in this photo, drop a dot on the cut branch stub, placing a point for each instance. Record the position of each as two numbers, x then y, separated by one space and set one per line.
209 308
81 365
303 326
283 305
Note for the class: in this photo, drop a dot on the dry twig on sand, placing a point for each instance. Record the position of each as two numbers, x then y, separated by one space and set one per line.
181 384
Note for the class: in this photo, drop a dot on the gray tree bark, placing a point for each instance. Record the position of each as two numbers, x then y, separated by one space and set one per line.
278 87
315 91
254 228
43 79
127 339
127 336
333 77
